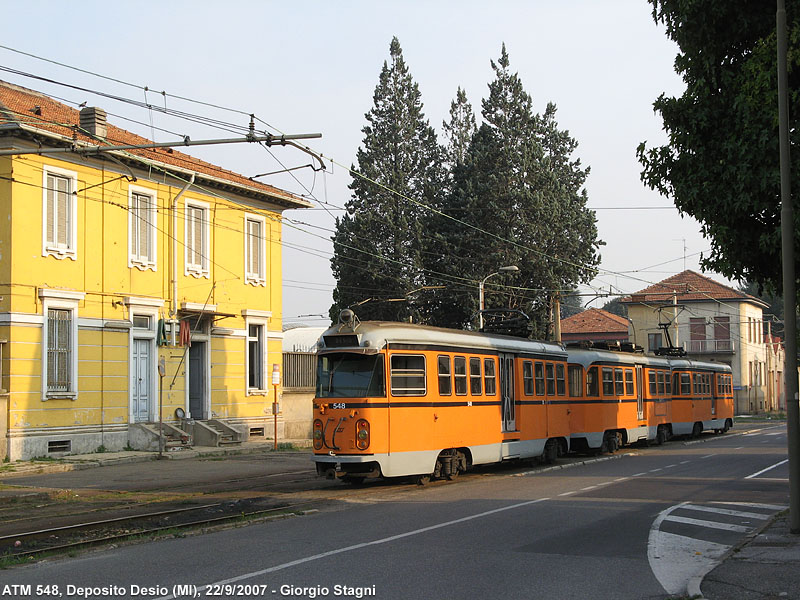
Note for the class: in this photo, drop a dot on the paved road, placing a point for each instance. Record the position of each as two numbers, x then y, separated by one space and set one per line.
601 530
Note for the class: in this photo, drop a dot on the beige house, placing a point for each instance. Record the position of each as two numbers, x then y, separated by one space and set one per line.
713 322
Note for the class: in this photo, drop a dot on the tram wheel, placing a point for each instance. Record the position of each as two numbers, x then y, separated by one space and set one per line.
423 479
697 430
661 436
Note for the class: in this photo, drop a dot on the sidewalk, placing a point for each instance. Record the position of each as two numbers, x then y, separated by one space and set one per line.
78 462
766 567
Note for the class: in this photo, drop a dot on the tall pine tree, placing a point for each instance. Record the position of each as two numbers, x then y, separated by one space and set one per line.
378 244
520 185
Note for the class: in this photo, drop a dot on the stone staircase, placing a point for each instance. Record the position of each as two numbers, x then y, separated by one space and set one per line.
185 434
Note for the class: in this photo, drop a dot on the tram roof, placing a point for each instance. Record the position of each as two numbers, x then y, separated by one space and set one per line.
380 333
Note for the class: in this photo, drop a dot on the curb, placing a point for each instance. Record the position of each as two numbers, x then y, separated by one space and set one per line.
80 464
693 586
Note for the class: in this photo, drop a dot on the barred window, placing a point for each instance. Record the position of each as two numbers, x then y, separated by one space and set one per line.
59 350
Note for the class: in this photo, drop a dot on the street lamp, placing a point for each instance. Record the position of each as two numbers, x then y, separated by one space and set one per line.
507 269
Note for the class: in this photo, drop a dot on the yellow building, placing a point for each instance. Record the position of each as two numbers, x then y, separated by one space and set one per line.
111 262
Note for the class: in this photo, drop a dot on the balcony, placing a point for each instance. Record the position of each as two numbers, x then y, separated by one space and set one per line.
709 346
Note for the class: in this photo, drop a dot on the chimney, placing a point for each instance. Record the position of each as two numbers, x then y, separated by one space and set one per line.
94 121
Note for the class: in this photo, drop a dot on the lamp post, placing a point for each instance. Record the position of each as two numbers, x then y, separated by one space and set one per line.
482 304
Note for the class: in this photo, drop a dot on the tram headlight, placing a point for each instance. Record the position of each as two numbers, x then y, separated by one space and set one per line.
318 434
362 434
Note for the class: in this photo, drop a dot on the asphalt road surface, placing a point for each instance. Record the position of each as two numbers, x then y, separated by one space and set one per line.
637 525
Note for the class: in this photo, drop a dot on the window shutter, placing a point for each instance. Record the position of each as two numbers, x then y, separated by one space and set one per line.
63 213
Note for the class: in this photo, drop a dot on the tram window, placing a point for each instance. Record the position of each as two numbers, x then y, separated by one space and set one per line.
561 384
686 384
592 382
489 379
475 386
445 383
608 381
551 379
408 375
527 377
538 373
350 376
651 379
575 373
460 375
628 382
676 386
619 386
696 384
661 389
667 383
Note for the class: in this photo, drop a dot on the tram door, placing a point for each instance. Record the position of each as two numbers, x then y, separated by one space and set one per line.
639 392
507 392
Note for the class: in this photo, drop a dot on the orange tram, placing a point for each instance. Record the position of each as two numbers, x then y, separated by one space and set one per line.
400 400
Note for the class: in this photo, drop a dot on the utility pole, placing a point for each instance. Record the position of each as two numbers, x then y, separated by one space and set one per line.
789 287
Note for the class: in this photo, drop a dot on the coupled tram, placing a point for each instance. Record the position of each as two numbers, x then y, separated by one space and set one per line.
403 400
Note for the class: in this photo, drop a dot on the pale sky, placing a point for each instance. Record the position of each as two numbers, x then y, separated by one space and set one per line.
308 66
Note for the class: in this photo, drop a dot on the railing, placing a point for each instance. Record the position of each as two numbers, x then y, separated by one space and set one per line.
299 370
709 346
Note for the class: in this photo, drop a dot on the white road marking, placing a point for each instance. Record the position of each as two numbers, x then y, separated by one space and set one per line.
670 466
708 456
567 494
591 487
656 470
754 505
778 433
677 559
725 511
767 469
710 524
622 478
738 447
385 540
638 474
685 462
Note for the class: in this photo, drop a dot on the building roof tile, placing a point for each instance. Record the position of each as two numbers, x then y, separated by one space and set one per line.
689 286
34 112
594 320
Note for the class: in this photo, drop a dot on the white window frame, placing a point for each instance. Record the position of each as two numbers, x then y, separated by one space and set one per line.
61 300
260 321
258 276
136 223
202 269
70 250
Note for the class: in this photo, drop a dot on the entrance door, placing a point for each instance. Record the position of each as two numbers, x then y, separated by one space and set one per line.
507 392
197 380
639 392
142 379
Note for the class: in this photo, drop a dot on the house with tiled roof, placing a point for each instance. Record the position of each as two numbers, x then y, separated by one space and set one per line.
710 321
595 325
125 271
